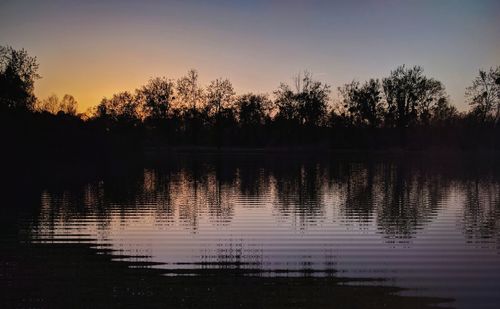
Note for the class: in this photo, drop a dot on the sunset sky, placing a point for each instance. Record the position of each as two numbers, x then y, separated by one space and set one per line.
92 49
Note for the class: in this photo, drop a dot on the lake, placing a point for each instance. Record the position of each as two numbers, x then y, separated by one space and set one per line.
261 230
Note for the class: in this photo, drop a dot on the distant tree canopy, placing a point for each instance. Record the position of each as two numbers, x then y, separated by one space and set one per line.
184 111
410 96
156 98
18 72
484 95
443 113
220 97
363 103
406 98
68 105
253 109
121 107
307 105
190 94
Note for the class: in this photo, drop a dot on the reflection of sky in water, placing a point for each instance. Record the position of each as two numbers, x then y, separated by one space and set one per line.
427 230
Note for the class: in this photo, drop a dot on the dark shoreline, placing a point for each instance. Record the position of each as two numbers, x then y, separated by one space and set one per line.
78 275
319 151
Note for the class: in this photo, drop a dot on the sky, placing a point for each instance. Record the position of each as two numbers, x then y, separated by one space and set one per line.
92 49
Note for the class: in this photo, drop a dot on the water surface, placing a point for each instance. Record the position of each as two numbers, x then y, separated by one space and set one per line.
428 226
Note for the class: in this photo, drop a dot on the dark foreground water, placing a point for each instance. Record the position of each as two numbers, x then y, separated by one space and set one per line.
218 231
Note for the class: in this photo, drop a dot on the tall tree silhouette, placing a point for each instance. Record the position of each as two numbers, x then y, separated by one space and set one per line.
253 109
191 99
156 98
190 94
220 97
307 104
121 107
313 98
363 103
484 94
286 104
254 116
18 72
410 96
220 100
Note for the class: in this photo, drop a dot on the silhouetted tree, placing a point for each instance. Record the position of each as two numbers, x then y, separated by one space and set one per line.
68 105
53 105
156 98
18 72
443 113
253 109
307 105
220 96
122 107
191 98
337 118
286 103
484 94
363 103
219 106
410 96
189 92
254 116
49 105
313 99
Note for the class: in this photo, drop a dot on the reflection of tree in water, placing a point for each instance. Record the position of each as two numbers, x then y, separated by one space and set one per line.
354 185
481 218
197 189
104 199
187 189
407 198
219 202
299 190
254 180
59 208
402 196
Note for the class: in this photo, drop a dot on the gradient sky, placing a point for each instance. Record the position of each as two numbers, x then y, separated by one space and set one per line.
92 49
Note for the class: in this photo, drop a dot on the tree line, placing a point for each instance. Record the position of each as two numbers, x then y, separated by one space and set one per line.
182 111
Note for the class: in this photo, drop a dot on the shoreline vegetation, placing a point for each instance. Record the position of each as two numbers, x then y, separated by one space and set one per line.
403 112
